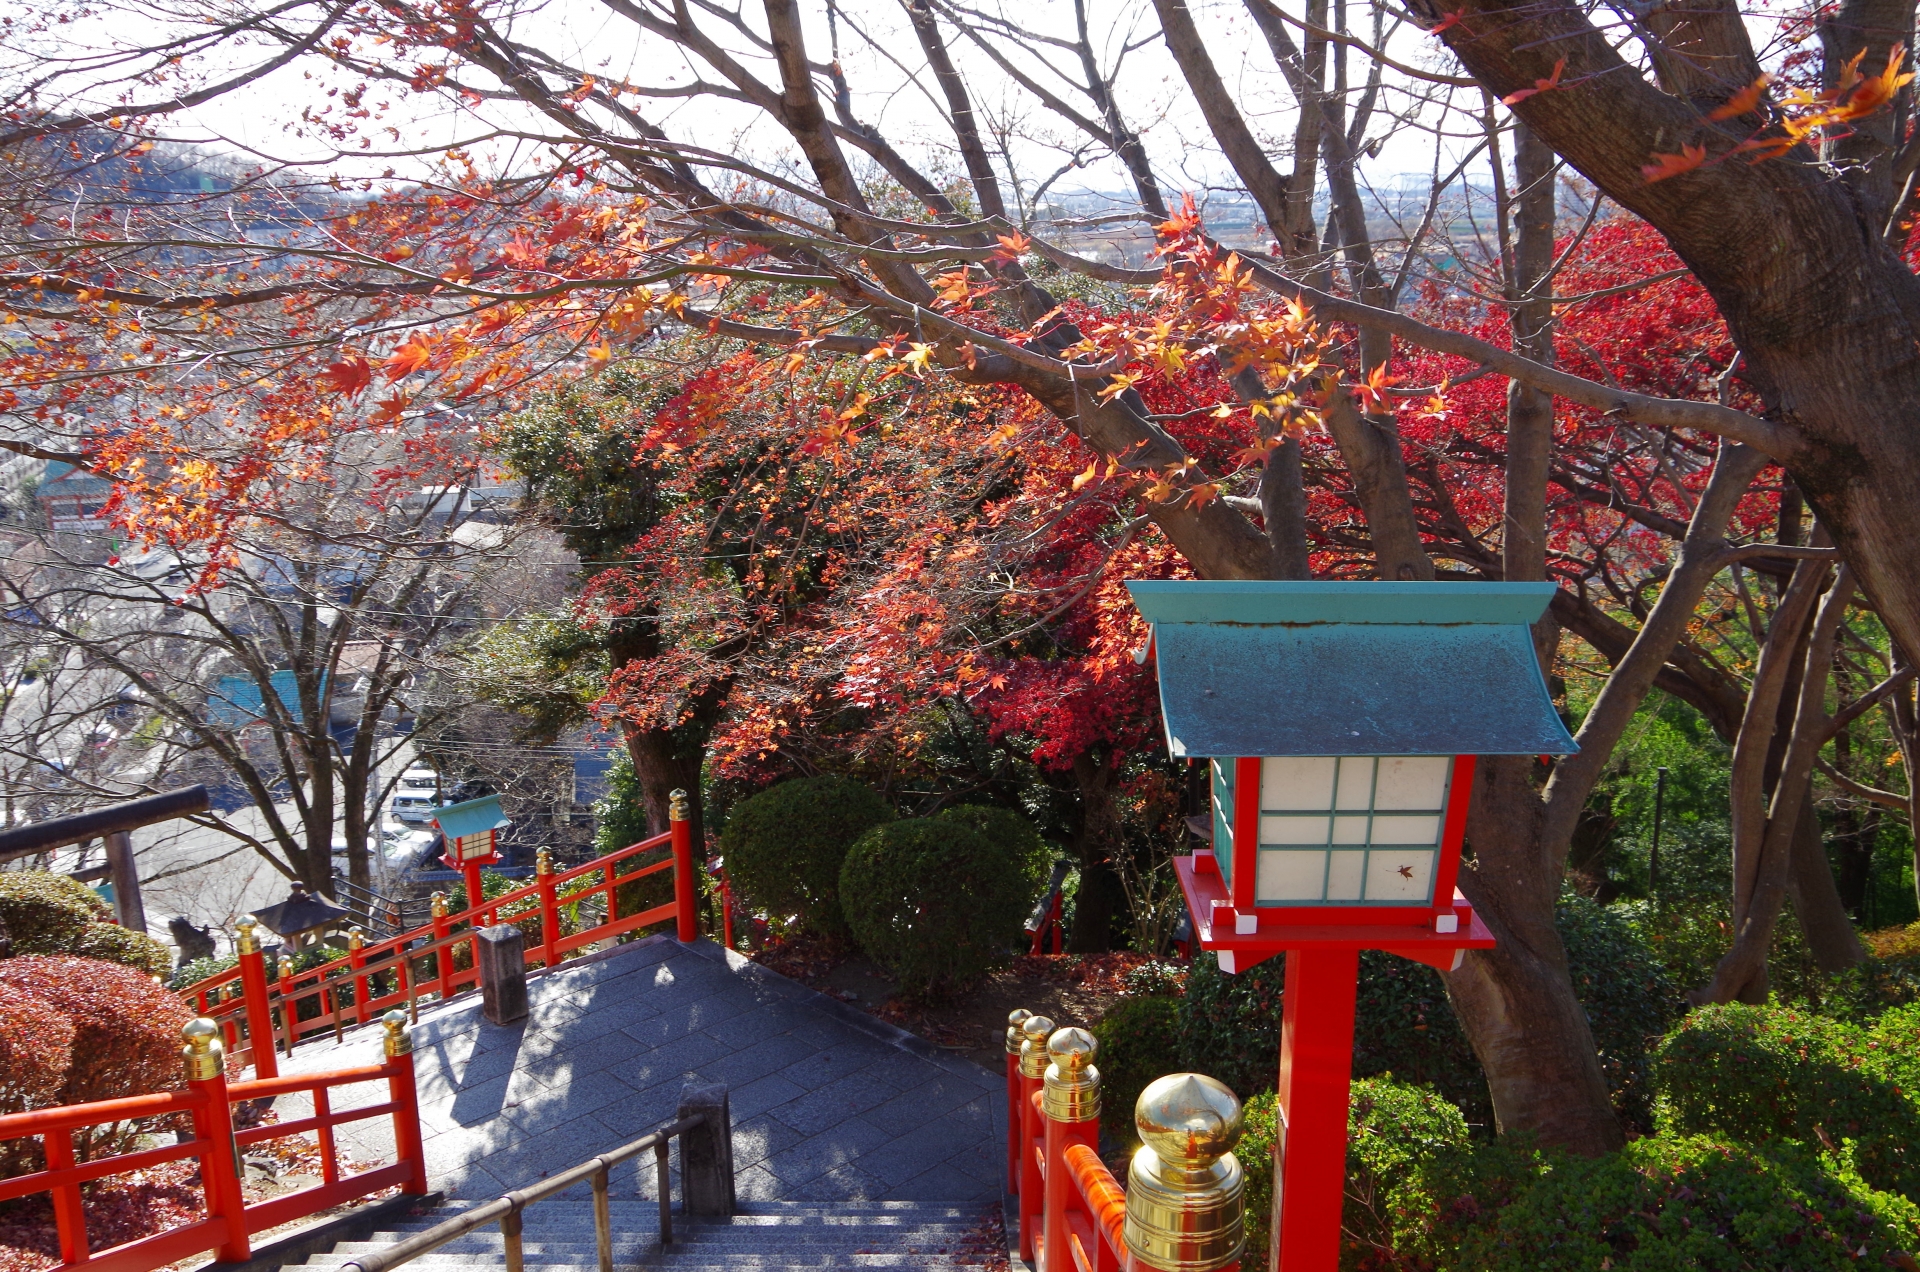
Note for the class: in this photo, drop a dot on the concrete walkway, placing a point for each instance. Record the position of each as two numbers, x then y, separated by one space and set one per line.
829 1104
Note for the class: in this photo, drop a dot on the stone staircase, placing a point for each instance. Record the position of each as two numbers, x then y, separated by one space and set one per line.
558 1236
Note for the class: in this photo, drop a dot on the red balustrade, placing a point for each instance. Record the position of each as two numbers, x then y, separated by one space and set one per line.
208 1099
255 1015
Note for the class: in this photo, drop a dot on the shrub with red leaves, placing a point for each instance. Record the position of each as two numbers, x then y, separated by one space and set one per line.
36 1050
123 1035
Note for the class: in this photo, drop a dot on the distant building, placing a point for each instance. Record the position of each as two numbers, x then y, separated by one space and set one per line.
72 499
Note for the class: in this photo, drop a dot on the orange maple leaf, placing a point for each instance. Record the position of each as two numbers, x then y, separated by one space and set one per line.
1664 166
1012 247
1373 393
1093 471
348 376
1546 85
1877 90
1452 19
1743 102
407 359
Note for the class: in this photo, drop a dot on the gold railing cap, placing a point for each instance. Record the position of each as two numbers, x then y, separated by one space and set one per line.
1072 1048
398 1040
1189 1120
245 942
199 1032
677 806
1036 1029
1016 1018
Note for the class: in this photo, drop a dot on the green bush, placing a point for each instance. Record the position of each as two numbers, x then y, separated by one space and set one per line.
1139 1041
937 903
1663 1204
1392 1127
1404 1025
784 847
1012 832
1760 1074
46 913
201 968
112 943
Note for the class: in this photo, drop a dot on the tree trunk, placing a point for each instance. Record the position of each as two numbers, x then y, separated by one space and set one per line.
664 762
1516 1001
1100 896
1816 897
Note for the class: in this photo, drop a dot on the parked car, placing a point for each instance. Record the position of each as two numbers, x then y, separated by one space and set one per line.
416 808
419 777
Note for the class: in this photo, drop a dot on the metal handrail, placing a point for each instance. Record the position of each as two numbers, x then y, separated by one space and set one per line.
506 1210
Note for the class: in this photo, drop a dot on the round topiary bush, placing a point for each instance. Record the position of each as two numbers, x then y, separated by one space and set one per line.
936 902
1139 1041
1010 830
46 913
111 943
784 847
125 1032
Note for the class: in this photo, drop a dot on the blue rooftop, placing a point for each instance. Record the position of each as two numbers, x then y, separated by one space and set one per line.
457 821
1329 668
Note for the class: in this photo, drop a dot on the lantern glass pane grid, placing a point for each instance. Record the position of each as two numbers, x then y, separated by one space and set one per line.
1223 817
1349 830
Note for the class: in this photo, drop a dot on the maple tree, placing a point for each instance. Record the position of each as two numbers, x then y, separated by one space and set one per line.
1257 413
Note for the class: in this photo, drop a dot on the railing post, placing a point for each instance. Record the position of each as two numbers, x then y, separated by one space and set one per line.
1015 1018
1070 1109
445 953
398 1047
549 909
69 1211
289 1018
357 960
213 1127
683 892
1033 1069
253 985
1185 1208
706 1153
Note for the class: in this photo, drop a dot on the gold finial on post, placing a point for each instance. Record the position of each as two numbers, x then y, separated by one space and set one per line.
1016 1018
543 862
356 937
439 905
398 1040
204 1054
244 941
1185 1209
1033 1047
677 806
285 969
1072 1090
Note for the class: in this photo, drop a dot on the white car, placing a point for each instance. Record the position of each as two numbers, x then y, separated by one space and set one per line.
419 777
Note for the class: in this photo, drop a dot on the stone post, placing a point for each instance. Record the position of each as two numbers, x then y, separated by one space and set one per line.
706 1152
502 953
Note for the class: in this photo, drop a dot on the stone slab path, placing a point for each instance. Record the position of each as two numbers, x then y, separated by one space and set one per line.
829 1104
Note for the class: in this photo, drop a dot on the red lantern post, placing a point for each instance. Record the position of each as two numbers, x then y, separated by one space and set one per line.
1341 722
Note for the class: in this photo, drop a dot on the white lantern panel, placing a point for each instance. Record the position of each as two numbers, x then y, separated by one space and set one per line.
1412 782
1294 875
1293 830
1302 783
1355 789
1346 876
1400 876
1350 830
1404 830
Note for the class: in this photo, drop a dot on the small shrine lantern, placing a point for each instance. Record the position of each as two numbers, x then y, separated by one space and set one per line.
1341 723
471 829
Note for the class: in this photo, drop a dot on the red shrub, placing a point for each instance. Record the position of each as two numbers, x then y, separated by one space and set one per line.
125 1032
36 1051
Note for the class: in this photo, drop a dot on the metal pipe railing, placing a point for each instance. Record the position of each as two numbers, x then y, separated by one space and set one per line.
506 1210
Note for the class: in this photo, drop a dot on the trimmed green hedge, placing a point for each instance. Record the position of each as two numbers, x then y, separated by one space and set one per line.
47 913
1139 1041
934 901
1769 1073
785 846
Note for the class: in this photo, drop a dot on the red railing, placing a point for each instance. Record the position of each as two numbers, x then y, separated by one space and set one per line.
1073 1213
207 1099
400 970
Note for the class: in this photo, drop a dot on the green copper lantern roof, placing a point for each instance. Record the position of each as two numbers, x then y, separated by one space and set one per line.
457 821
1325 668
